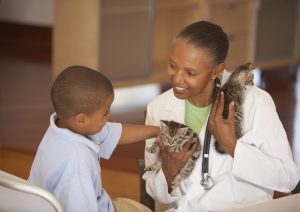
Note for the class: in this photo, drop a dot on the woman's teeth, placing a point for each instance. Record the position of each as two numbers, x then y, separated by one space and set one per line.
179 88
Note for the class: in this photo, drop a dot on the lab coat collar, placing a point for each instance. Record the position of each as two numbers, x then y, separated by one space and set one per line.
175 107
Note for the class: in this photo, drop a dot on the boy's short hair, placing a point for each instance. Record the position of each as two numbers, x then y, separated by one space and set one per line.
79 89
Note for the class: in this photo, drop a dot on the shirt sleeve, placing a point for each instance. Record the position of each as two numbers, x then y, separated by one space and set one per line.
263 155
108 138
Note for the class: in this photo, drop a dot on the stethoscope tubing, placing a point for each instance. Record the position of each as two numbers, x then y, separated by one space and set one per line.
207 140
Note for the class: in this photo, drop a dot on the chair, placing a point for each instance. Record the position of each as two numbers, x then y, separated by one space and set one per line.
145 198
17 194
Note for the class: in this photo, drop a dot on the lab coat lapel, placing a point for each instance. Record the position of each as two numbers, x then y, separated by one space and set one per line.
176 109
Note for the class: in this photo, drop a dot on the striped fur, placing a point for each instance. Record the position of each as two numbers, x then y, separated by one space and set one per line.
175 135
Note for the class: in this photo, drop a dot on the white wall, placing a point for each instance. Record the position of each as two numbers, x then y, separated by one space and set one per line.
32 12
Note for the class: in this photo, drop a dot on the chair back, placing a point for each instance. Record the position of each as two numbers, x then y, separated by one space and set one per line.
145 198
17 194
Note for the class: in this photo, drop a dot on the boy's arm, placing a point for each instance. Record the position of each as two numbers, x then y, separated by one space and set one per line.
133 133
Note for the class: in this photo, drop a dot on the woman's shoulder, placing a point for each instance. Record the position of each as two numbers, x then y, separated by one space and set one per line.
257 92
257 96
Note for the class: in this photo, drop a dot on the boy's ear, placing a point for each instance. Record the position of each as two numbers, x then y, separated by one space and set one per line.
81 119
217 71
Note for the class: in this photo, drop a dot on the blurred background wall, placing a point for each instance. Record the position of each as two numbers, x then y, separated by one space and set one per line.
128 40
30 12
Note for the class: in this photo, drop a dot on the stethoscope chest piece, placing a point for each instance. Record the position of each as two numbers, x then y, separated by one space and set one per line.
206 181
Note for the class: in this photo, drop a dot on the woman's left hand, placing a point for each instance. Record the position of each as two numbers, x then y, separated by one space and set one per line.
223 129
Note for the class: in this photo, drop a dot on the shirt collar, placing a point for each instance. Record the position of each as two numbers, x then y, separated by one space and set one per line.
72 136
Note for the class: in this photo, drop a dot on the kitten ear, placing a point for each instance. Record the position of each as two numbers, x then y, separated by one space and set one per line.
183 130
163 125
250 66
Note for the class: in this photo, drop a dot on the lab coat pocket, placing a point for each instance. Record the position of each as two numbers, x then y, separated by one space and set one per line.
230 192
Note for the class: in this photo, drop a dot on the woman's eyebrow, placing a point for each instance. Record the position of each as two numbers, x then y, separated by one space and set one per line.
170 60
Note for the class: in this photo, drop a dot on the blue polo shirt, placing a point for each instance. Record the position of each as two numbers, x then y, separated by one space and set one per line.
67 165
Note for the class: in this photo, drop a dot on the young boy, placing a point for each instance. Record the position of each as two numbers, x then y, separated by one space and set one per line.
67 160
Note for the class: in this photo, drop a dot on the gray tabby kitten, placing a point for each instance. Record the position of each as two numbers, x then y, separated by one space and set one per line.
175 135
234 90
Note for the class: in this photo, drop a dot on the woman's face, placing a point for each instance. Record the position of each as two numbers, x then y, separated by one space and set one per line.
192 75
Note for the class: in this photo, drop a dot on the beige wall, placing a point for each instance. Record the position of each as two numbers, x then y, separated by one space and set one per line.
75 34
33 12
77 30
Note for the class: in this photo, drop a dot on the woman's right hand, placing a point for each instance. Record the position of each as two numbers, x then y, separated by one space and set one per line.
223 129
172 162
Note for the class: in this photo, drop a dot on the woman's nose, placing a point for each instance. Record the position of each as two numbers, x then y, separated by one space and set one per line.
178 76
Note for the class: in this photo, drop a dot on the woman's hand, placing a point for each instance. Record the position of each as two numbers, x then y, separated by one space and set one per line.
223 129
172 162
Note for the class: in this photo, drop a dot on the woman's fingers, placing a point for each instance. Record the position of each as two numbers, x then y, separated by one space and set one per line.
220 106
193 147
160 143
187 145
231 112
188 149
214 108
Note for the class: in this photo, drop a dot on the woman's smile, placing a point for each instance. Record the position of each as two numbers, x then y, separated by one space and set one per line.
179 89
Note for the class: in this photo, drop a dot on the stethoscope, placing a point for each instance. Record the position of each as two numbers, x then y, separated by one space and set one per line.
207 181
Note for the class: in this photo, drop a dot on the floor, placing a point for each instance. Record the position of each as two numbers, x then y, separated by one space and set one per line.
25 108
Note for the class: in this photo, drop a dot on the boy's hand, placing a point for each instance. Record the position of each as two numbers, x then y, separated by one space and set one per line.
223 129
172 162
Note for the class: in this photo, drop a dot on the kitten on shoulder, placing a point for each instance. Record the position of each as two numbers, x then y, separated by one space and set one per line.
234 90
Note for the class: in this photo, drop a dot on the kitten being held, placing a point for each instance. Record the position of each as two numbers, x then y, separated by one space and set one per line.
175 135
234 90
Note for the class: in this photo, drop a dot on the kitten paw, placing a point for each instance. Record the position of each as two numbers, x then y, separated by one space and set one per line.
173 187
149 169
151 150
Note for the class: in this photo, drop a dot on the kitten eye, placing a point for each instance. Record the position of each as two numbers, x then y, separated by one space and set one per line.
164 137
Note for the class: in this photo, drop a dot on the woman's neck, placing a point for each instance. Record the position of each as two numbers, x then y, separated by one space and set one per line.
204 99
200 101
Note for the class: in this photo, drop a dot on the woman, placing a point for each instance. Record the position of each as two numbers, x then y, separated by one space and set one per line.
251 168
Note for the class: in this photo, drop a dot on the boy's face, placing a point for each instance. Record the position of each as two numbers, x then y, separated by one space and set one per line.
97 120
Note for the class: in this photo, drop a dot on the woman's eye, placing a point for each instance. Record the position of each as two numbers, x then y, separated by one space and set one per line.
190 73
172 66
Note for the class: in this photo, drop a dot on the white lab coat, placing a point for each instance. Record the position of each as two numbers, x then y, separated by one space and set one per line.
262 160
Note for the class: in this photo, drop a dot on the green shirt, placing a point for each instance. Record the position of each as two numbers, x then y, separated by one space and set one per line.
195 117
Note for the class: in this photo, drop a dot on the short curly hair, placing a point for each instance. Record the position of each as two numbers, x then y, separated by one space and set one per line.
79 89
